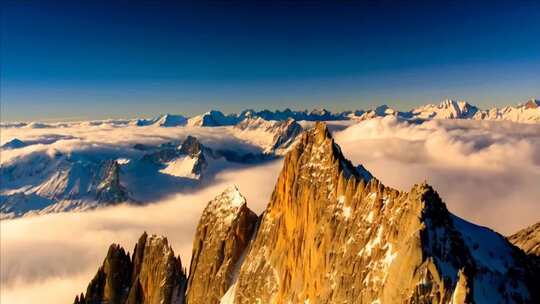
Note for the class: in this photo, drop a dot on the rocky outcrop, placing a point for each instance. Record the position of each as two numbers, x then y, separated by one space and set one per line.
166 120
223 233
112 281
333 233
288 131
528 239
330 235
188 159
152 276
213 119
275 137
109 190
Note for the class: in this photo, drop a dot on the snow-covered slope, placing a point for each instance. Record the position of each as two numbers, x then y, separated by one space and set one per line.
272 135
188 159
167 120
528 112
213 119
52 181
447 109
42 183
38 178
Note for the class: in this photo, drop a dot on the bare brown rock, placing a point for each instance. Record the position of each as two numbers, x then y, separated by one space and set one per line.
223 233
334 234
528 239
153 276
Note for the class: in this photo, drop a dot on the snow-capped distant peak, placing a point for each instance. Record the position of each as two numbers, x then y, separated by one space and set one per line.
213 119
447 109
169 120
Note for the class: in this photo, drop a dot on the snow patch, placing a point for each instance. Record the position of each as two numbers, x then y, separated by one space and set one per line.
181 167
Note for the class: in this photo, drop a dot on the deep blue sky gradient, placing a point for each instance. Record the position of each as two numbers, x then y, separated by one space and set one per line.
93 59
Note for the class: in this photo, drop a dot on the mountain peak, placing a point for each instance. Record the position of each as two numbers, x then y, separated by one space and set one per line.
109 189
532 104
230 198
318 152
170 120
331 236
223 234
153 275
191 146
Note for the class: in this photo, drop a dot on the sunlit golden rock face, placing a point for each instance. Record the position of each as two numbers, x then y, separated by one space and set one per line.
528 239
223 233
332 233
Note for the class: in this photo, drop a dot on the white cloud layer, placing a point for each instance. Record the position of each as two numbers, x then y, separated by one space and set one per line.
49 259
487 173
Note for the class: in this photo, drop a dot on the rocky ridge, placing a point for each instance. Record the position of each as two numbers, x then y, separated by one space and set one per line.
333 233
528 112
60 182
224 231
275 136
329 235
152 275
528 239
188 159
109 190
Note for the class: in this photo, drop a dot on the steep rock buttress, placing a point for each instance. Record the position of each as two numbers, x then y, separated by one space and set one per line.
152 276
223 233
334 234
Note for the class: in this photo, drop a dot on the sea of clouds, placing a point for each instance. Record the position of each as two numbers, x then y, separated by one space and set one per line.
486 172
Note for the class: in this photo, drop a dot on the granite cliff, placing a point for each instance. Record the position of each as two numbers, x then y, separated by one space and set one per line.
333 233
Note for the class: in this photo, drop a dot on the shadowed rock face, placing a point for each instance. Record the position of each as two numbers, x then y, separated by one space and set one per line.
153 275
223 233
109 190
190 148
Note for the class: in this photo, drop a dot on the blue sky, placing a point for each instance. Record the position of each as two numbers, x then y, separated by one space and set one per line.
92 59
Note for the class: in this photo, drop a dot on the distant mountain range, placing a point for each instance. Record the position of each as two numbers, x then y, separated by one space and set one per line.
528 112
40 182
331 233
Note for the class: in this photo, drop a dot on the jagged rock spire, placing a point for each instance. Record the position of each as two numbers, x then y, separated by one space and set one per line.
223 233
109 190
333 235
154 275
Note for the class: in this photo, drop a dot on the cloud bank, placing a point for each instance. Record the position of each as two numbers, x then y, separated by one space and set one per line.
486 172
50 258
